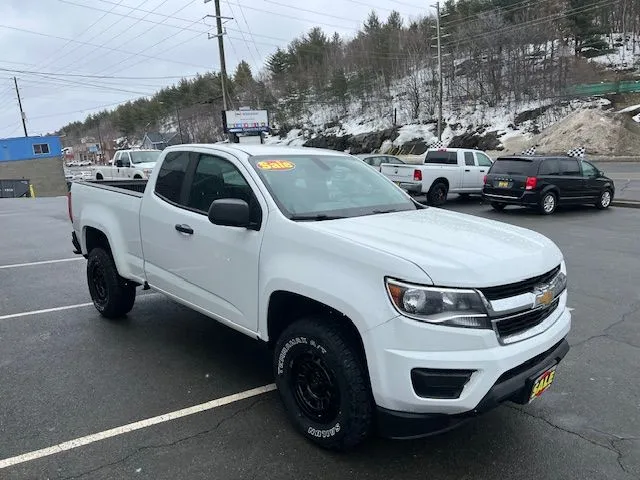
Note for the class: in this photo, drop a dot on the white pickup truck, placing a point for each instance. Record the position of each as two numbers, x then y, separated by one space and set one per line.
380 316
128 164
445 170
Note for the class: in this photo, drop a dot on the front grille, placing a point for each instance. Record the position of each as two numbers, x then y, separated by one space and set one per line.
524 321
518 288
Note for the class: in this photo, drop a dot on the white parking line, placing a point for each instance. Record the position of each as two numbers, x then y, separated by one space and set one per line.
66 307
46 310
44 262
96 437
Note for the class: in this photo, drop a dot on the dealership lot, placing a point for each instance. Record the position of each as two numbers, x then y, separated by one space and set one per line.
67 374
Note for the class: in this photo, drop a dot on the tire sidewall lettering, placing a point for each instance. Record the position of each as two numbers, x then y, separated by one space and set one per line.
293 342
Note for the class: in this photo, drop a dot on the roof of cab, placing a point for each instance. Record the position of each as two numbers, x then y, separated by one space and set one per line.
255 150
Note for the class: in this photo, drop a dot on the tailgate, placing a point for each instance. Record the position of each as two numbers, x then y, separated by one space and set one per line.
398 173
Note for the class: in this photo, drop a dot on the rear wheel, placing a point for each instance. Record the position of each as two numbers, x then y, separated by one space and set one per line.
112 295
548 203
99 177
498 206
322 381
605 200
438 194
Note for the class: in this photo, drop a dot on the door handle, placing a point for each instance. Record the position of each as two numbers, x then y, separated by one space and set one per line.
467 170
481 171
184 229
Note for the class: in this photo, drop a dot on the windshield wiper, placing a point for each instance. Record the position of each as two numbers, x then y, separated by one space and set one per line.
316 218
392 210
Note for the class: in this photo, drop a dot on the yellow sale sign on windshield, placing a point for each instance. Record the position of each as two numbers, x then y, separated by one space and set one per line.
276 165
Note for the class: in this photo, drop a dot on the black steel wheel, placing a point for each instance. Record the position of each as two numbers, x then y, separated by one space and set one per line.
112 295
323 382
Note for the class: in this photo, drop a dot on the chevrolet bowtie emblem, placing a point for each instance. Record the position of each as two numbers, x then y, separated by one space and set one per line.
544 297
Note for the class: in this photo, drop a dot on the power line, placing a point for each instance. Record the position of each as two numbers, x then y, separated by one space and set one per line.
249 30
48 35
315 12
244 39
52 56
96 35
109 77
145 32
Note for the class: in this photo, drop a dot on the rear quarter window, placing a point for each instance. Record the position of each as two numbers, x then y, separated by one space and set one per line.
441 158
171 176
514 166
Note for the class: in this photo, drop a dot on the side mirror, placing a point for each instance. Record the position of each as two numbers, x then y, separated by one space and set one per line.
230 212
119 163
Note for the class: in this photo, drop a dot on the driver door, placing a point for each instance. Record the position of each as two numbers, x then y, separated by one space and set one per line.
209 266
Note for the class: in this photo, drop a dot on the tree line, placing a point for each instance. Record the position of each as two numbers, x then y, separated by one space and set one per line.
494 52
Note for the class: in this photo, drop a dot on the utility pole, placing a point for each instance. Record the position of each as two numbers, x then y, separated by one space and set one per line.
439 72
100 156
22 116
223 65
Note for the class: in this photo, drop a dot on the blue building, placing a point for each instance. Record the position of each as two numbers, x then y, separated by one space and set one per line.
30 148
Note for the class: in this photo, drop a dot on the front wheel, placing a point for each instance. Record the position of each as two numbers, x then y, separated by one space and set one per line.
322 381
605 200
112 295
548 203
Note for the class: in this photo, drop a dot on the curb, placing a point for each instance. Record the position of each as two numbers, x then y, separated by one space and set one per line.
626 203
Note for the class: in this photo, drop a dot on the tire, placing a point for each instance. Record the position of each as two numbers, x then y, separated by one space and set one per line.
320 351
437 194
99 177
137 177
604 201
498 206
112 295
548 203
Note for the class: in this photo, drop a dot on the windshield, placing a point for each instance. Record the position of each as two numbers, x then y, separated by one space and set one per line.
323 187
513 166
145 156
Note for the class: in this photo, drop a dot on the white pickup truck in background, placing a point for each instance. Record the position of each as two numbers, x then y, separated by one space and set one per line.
128 164
444 171
380 316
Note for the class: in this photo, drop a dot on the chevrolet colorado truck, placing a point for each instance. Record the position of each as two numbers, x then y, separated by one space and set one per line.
444 171
382 316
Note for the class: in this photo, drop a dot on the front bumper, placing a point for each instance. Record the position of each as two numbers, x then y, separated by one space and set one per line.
401 345
511 386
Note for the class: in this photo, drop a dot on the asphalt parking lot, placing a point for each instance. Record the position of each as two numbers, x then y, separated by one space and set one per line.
68 375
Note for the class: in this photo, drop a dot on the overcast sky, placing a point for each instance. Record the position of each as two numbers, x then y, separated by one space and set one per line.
143 38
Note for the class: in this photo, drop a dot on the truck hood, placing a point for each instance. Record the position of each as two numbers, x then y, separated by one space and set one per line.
453 249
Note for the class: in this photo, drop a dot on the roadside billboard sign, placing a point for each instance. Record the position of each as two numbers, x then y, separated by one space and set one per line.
245 121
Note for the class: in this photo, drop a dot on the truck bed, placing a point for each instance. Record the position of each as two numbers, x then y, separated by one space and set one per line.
129 187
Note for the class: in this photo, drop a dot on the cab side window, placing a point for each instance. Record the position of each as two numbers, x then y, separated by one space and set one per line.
171 176
483 160
468 159
216 178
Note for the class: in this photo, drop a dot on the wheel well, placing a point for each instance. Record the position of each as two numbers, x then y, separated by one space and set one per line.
440 180
99 176
137 176
95 238
287 307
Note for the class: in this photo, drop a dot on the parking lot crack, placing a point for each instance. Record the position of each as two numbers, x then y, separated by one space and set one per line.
565 430
164 445
634 309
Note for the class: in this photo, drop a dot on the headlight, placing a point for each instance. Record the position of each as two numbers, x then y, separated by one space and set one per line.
147 171
442 306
